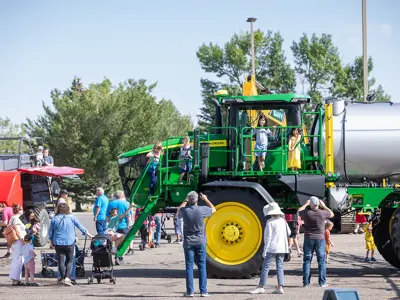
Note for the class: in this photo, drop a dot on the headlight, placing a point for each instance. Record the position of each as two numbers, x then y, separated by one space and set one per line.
123 160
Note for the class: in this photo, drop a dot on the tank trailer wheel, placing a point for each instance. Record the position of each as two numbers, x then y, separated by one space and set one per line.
383 241
395 233
235 233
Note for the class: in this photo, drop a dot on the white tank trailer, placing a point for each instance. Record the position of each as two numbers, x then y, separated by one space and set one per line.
366 141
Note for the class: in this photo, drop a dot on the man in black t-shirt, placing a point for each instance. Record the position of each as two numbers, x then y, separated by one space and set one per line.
314 238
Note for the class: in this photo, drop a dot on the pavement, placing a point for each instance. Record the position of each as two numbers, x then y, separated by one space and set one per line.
159 274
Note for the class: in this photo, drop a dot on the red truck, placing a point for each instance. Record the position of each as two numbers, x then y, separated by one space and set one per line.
21 182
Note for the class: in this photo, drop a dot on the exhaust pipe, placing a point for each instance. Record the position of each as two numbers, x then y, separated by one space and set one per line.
218 116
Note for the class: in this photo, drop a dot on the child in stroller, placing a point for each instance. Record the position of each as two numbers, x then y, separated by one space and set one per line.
102 267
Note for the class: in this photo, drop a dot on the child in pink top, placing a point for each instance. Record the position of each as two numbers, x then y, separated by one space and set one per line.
7 213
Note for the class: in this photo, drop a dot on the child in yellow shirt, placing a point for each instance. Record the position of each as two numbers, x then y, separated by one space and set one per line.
369 242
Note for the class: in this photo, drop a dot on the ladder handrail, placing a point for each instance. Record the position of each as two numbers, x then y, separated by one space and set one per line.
138 182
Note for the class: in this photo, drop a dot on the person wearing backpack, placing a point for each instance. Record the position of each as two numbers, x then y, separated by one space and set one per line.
17 229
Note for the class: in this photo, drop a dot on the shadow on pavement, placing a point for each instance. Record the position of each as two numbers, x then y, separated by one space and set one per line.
151 273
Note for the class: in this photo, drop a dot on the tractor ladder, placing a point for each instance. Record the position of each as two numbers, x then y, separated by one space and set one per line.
147 208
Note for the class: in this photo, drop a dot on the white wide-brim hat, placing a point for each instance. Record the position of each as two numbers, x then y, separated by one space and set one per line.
272 209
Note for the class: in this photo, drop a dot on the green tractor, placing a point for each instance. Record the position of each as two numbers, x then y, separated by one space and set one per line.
223 169
348 159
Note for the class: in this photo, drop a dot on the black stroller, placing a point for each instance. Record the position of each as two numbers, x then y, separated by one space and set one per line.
164 234
49 260
103 267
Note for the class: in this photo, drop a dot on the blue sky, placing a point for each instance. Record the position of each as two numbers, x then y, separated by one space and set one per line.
45 43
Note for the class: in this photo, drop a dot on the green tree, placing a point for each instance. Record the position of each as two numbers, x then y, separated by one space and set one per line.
89 127
349 82
10 129
316 62
232 63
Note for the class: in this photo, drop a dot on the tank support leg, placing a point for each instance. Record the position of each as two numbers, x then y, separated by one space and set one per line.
149 205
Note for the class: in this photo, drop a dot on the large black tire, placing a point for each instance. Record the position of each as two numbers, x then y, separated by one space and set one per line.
396 236
42 237
253 201
383 240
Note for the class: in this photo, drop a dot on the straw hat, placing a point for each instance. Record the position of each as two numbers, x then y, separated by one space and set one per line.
272 209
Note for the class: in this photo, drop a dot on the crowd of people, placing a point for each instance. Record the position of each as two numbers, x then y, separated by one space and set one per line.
114 217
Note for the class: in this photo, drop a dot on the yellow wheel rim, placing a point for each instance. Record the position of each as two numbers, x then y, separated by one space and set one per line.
234 233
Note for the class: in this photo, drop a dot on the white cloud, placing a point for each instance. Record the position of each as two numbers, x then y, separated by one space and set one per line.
386 29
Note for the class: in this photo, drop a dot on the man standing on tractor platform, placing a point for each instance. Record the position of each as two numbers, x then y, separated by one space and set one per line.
194 239
100 211
314 238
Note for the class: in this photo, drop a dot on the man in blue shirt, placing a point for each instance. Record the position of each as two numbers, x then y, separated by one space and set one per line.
123 226
122 205
100 211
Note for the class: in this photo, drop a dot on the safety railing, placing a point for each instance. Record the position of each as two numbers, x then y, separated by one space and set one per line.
283 143
319 136
139 181
236 137
169 161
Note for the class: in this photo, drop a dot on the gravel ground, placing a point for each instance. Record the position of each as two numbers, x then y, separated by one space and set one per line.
159 274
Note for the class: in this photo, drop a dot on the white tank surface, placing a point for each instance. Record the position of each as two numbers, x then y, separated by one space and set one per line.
367 137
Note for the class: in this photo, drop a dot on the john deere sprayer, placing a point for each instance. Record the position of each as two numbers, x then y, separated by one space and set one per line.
349 158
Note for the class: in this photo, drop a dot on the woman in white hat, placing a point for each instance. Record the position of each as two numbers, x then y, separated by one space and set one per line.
276 244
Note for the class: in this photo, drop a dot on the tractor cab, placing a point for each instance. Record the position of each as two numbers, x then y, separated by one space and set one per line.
282 112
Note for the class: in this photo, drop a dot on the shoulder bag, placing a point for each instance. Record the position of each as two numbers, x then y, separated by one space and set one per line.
288 256
11 234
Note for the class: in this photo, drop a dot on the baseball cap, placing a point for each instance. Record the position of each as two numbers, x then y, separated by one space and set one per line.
64 192
314 201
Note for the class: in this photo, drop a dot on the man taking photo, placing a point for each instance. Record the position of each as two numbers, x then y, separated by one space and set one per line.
194 239
314 238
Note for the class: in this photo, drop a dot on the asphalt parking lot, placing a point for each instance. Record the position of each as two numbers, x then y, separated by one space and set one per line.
159 274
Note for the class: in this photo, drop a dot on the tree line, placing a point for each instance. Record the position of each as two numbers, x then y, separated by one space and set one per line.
317 65
87 127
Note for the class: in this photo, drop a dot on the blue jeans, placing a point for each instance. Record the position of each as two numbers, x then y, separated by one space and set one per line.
157 233
73 273
196 253
153 182
308 248
269 257
101 226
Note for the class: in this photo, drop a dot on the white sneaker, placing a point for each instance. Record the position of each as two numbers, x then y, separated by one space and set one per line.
324 285
279 290
205 295
188 295
258 291
67 282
